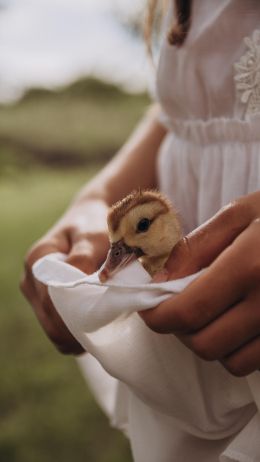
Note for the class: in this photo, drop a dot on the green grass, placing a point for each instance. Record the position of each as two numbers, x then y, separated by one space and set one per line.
47 413
88 120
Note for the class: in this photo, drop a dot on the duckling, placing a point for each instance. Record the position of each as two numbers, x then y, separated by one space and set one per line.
143 226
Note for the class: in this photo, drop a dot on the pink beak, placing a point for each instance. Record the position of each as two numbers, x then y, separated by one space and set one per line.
118 256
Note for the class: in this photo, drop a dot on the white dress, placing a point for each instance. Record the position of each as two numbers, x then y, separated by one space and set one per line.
173 405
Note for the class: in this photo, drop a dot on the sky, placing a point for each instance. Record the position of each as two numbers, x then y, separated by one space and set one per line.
52 42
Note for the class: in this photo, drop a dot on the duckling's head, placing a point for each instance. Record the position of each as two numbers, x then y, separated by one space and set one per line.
143 224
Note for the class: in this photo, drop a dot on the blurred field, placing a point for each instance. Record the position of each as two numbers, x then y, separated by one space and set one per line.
46 411
85 122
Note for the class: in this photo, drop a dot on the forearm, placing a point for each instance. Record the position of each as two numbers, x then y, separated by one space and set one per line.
133 166
81 233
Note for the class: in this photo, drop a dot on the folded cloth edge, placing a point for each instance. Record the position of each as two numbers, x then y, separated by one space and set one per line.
41 267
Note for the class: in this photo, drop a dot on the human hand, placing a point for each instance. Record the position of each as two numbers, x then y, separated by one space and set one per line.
81 235
218 315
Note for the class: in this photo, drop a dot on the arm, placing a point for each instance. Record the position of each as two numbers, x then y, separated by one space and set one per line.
218 315
133 166
81 233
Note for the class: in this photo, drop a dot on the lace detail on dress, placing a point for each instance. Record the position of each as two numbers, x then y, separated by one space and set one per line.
247 76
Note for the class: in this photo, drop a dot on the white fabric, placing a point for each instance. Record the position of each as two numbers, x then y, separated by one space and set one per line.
167 388
174 406
104 301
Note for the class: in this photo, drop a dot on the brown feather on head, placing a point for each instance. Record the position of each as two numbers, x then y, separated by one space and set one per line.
139 197
142 225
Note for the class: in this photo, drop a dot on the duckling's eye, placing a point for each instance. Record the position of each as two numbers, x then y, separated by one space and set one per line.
143 225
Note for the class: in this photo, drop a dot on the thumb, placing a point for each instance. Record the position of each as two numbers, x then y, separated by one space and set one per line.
201 247
87 254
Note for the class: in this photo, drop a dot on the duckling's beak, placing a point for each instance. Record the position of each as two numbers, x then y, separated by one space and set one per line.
119 255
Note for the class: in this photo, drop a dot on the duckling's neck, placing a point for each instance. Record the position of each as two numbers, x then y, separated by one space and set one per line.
154 265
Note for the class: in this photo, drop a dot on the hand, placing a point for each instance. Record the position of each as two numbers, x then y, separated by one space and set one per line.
81 235
218 315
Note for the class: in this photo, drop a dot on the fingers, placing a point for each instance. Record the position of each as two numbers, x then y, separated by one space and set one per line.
37 295
245 360
81 256
201 302
230 278
204 244
233 339
228 333
88 254
45 247
218 316
80 235
54 327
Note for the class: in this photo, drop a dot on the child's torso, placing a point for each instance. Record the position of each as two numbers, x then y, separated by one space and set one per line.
209 91
199 80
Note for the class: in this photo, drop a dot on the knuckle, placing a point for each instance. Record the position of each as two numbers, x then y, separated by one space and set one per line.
152 322
228 211
256 223
71 230
202 348
34 253
232 213
82 262
76 258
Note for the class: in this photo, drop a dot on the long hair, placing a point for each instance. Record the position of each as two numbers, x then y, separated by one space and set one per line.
180 28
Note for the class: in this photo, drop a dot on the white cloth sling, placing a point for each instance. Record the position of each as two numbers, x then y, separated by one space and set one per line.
160 385
96 304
